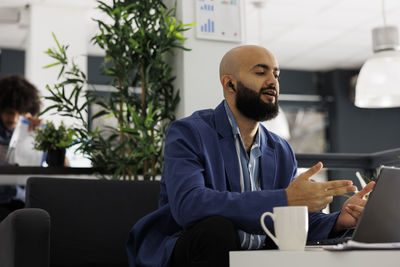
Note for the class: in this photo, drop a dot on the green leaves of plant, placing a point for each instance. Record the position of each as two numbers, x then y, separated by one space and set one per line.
143 101
50 137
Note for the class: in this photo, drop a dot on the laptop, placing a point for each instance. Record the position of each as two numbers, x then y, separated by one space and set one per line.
380 220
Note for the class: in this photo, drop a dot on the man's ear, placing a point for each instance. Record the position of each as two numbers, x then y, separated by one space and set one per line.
228 82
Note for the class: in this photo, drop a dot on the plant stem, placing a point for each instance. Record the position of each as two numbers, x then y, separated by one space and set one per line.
144 88
153 166
153 158
144 107
129 152
121 124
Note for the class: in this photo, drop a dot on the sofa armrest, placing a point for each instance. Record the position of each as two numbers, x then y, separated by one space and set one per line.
25 239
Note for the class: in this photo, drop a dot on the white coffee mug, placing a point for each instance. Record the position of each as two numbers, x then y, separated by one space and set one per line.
291 227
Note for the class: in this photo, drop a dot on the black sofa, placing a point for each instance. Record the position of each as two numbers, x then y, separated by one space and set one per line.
91 218
24 239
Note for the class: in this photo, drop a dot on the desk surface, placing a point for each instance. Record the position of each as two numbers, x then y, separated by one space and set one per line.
19 175
46 170
315 258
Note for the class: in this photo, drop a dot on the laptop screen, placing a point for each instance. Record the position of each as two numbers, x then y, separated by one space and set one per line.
380 221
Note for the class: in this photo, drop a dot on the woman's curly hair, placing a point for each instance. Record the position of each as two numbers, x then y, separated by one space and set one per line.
16 93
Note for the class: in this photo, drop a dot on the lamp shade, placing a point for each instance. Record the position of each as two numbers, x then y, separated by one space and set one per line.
378 84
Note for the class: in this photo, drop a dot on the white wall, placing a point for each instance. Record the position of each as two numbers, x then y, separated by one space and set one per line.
197 71
69 25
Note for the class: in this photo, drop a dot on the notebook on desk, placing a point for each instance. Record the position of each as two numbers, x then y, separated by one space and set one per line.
380 221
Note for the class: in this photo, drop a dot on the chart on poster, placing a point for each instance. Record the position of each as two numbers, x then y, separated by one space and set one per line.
218 20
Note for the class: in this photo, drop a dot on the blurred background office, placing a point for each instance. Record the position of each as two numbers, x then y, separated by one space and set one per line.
320 45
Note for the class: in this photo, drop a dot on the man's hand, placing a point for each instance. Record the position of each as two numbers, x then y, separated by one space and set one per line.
316 196
352 209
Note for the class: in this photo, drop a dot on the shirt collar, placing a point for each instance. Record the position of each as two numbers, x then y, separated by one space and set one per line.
232 120
256 148
235 129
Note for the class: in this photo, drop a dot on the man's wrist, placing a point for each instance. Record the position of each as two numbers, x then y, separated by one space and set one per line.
337 228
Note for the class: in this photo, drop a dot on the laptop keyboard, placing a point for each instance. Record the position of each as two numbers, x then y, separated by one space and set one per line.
329 241
332 241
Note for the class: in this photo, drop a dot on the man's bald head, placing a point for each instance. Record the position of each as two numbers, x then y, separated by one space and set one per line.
249 76
241 56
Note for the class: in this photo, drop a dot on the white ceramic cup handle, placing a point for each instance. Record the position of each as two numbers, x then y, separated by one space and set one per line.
273 217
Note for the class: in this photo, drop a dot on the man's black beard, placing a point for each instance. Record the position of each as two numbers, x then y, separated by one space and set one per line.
250 104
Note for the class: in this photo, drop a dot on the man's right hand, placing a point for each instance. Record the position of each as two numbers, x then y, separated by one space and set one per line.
316 196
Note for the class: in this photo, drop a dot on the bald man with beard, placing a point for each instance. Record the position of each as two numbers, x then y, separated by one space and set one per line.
223 170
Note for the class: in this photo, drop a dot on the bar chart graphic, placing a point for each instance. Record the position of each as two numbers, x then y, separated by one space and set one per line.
206 7
218 20
208 26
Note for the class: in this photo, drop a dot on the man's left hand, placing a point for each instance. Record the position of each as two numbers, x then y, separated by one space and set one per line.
352 209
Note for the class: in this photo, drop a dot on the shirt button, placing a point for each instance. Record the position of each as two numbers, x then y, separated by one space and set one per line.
250 165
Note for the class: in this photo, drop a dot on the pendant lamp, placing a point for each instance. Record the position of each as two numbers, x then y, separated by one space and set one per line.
378 83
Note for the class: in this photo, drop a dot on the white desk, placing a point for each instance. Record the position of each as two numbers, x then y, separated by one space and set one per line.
315 258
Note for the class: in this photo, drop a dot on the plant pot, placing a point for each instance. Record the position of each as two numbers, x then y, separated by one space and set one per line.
55 157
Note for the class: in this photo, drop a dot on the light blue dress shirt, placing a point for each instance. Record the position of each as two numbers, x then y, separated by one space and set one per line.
249 175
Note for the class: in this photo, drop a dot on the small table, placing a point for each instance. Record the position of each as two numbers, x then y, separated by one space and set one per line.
315 258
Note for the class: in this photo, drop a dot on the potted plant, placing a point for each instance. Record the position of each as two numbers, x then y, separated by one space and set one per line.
136 45
54 142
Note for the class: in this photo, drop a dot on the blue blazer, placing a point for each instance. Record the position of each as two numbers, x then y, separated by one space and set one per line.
201 178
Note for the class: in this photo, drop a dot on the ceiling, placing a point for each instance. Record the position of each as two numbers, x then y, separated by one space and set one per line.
14 35
318 34
305 35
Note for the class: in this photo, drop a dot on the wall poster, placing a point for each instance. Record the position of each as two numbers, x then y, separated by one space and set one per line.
218 20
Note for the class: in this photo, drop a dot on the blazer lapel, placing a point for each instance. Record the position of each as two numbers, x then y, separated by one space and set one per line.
231 164
267 163
228 149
